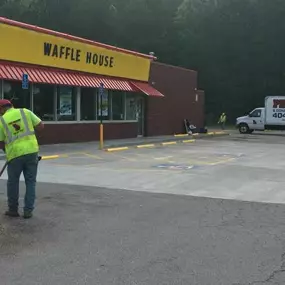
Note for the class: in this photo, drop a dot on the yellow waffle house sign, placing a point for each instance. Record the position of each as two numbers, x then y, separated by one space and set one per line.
23 45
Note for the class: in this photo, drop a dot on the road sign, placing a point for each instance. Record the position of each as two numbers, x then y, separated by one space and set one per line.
25 81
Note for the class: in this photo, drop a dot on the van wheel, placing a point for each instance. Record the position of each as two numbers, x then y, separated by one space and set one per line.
243 129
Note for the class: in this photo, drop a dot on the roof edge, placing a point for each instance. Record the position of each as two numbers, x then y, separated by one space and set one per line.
70 37
58 69
174 66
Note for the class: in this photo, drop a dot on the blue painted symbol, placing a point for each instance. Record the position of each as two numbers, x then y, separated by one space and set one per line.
175 166
25 81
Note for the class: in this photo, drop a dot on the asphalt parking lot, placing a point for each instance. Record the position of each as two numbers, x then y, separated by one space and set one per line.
207 212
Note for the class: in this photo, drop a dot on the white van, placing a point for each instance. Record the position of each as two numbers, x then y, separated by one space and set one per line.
254 121
272 117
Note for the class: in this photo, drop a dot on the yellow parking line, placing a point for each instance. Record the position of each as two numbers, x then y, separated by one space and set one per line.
181 135
90 166
45 157
223 161
92 155
219 133
169 143
117 149
145 145
117 155
188 141
211 133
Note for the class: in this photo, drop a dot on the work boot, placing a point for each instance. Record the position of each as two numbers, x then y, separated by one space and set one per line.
12 214
28 214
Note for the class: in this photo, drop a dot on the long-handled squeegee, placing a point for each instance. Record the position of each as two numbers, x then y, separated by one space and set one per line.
6 163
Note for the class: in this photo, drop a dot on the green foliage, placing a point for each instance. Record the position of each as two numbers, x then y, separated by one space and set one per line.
236 45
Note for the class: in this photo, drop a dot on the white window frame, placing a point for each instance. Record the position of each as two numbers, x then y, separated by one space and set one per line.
78 104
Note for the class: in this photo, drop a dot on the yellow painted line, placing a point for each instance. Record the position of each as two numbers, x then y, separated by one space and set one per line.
219 133
90 166
163 158
92 155
117 155
188 141
45 157
145 145
181 135
169 143
196 134
211 133
117 149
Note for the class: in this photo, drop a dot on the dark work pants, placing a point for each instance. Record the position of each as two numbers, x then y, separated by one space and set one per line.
28 164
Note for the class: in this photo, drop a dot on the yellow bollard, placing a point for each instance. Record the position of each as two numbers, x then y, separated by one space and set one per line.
101 136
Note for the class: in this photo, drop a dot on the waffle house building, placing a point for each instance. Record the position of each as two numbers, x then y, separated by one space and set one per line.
58 77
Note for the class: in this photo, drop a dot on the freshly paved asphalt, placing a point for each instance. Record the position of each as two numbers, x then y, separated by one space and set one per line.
94 235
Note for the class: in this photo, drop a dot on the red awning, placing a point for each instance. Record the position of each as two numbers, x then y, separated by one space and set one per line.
146 89
61 77
39 74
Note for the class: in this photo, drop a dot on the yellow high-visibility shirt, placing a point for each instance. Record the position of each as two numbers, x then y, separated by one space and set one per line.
17 132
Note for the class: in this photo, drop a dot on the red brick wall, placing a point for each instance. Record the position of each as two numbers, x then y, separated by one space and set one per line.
68 133
164 116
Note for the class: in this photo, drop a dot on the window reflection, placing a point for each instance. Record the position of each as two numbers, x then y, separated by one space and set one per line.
43 101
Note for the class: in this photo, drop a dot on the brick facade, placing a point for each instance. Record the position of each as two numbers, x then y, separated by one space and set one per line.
164 116
83 132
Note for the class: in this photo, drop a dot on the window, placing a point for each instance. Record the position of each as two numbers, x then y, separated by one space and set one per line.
256 113
44 101
130 107
66 103
118 108
88 104
21 98
105 106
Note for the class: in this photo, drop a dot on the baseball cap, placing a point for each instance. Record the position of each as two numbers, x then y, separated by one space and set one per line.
5 102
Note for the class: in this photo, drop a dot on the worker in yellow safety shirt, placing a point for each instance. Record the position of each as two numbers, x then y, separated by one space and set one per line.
19 142
222 120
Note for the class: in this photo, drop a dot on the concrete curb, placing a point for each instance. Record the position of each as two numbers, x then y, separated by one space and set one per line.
116 149
146 145
176 140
